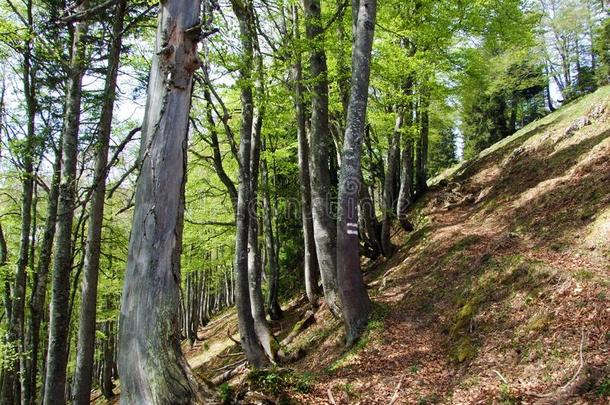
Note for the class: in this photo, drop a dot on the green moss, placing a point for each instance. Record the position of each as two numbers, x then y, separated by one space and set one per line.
464 350
538 322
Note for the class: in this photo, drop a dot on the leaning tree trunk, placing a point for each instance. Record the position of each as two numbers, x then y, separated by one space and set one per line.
323 222
86 328
310 259
355 302
389 186
249 340
57 354
152 367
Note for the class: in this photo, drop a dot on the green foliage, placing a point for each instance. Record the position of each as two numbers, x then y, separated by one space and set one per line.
279 381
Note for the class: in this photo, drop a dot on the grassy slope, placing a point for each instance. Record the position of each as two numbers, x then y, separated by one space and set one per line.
505 282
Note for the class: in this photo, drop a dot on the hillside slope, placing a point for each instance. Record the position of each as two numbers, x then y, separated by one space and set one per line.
501 295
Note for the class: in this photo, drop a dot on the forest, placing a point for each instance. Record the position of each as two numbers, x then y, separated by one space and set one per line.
314 201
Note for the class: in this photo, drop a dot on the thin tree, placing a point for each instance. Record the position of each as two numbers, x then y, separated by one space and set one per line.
355 303
86 328
57 353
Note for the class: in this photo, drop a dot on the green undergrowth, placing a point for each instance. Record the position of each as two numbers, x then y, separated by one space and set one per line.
280 382
495 283
372 335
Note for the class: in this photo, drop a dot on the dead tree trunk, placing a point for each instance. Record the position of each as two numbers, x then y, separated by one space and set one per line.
355 302
152 367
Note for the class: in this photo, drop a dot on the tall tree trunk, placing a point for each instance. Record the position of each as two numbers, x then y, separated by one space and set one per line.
86 329
355 302
152 367
255 270
249 340
273 307
13 384
39 286
57 354
421 172
323 222
389 186
310 259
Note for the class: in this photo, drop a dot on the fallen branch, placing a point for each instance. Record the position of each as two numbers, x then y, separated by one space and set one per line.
330 397
307 319
232 365
501 376
395 396
227 375
231 337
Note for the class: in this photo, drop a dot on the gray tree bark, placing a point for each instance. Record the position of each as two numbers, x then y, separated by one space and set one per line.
421 169
57 354
39 285
249 340
310 259
86 328
355 302
320 138
389 186
152 367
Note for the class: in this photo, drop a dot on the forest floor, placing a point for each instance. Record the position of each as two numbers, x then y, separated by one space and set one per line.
500 296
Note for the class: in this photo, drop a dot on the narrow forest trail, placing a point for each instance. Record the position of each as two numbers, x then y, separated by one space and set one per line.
489 299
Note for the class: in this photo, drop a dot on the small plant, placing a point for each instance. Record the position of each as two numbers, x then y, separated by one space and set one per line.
276 381
604 388
226 393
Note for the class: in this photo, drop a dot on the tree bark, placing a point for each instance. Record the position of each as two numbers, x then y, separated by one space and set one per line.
355 302
421 172
323 221
152 367
273 307
57 354
389 186
257 303
86 329
310 259
249 340
39 286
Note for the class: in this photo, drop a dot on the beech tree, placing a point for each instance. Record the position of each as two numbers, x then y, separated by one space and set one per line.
355 302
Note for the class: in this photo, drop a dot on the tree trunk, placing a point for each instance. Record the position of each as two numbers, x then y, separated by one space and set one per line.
421 174
152 367
257 303
355 302
106 381
86 329
57 354
389 186
39 286
12 387
249 340
273 307
310 259
323 222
